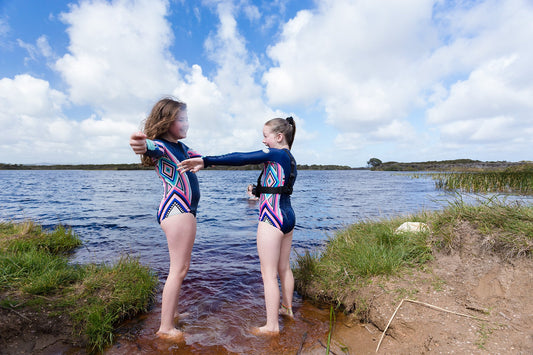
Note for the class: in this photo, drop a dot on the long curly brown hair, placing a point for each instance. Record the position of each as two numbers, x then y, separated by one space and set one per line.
158 122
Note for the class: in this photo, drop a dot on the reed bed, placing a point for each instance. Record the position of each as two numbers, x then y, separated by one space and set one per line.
520 182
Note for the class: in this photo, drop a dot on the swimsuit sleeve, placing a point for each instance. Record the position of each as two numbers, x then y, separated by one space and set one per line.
237 159
191 153
153 150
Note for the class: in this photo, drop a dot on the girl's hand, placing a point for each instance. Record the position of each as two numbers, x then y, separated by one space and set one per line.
193 164
138 142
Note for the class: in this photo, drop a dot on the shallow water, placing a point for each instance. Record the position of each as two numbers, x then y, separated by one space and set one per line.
114 214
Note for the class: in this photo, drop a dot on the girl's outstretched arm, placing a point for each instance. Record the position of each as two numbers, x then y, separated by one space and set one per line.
193 164
138 142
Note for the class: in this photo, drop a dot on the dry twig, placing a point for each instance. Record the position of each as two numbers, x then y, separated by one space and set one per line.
423 304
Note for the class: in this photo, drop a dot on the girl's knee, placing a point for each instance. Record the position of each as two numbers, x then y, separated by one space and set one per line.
179 271
285 270
269 274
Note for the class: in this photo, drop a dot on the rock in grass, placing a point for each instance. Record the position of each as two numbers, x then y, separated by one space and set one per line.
413 227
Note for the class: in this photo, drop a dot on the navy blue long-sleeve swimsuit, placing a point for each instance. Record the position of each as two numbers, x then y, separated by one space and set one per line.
274 209
181 191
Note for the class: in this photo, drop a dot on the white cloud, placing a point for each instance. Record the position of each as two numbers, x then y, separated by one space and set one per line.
44 46
350 141
40 48
119 55
35 128
25 95
493 130
395 130
251 12
62 130
374 66
27 106
360 77
118 62
356 58
490 91
4 28
227 111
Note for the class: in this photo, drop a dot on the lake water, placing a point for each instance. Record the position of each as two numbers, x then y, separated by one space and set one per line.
114 213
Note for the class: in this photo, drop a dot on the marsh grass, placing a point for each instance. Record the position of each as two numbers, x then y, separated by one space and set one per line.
34 266
482 182
371 248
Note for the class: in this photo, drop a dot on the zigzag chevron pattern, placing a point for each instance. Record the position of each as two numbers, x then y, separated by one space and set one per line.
177 194
269 205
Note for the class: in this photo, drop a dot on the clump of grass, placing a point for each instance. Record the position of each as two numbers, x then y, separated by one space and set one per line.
507 227
110 294
371 248
28 235
96 297
33 260
357 253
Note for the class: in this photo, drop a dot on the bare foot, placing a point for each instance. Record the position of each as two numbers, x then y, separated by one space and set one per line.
264 331
178 315
286 311
173 334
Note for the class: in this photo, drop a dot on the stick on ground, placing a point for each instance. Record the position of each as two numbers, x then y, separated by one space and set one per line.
423 304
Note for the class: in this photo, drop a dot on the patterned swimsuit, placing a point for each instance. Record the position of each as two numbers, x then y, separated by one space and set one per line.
274 209
181 192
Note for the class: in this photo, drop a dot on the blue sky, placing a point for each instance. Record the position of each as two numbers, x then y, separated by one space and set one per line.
398 80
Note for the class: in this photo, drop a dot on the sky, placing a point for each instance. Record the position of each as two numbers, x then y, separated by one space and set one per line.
396 80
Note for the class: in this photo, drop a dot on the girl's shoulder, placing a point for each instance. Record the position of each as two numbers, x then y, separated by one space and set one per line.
281 153
160 142
169 145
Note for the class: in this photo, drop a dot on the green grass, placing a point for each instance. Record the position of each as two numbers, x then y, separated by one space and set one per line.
359 252
508 227
371 248
34 266
481 182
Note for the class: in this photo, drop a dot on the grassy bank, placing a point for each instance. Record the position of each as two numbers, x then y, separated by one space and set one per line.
35 276
367 249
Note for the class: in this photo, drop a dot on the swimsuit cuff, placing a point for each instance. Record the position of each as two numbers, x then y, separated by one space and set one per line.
150 145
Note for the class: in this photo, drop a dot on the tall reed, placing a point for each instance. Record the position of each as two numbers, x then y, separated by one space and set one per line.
481 182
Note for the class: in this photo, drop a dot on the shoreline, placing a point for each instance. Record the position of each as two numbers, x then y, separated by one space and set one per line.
472 271
444 165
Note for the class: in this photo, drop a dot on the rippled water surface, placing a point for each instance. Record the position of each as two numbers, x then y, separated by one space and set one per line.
114 214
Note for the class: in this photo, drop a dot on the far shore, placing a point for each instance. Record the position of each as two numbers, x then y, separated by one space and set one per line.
443 165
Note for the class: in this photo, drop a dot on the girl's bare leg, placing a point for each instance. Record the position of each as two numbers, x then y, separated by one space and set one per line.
180 231
268 247
285 275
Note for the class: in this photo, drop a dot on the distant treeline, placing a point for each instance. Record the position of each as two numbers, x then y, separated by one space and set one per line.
134 166
463 165
459 165
137 166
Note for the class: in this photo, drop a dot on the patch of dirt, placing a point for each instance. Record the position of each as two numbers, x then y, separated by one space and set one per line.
24 330
469 280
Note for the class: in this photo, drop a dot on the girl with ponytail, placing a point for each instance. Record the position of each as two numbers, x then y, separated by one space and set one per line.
276 216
